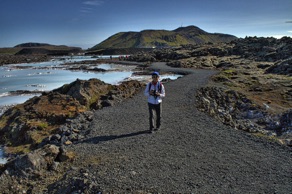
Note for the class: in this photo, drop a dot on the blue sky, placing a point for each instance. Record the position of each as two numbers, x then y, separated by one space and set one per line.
85 23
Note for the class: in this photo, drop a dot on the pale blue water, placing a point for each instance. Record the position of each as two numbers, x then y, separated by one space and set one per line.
46 76
2 158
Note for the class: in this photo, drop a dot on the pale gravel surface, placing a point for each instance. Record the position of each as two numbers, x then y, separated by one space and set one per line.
193 153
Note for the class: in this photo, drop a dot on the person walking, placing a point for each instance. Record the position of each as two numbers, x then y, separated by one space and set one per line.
155 91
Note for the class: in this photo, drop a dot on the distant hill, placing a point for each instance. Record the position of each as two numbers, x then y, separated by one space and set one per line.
33 44
45 49
162 38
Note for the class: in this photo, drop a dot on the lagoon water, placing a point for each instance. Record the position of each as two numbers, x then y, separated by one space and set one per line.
49 75
2 158
46 76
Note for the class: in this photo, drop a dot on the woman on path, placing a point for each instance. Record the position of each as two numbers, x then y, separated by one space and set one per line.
155 92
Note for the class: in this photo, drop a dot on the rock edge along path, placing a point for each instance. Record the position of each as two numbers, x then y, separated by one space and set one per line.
193 153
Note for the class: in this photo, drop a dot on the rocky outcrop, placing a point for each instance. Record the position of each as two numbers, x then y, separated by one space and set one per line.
258 67
236 110
33 163
75 181
46 51
282 67
39 117
118 51
263 49
84 91
19 173
13 59
73 130
252 48
142 57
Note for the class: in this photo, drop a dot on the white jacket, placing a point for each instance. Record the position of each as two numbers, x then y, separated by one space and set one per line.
154 99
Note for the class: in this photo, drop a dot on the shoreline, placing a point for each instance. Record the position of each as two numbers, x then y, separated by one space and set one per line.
26 94
138 73
115 148
6 59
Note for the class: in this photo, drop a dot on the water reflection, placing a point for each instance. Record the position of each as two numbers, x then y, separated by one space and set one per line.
2 159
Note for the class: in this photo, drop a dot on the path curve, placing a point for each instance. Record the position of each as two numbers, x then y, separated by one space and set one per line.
193 153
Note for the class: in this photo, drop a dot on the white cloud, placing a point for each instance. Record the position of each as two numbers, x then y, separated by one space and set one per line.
93 2
86 10
88 6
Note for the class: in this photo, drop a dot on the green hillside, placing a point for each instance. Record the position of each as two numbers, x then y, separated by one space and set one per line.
162 38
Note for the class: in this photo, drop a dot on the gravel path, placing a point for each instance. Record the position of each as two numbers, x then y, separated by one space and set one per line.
193 153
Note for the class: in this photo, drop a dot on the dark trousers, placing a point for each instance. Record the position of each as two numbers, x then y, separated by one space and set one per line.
154 111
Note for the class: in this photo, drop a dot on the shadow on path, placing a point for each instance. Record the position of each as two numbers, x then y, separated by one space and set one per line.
96 140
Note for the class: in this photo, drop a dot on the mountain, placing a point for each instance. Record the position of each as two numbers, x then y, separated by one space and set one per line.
33 44
45 49
162 38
